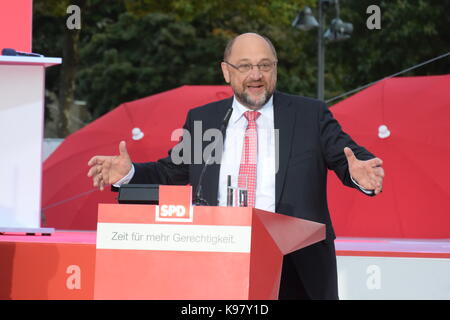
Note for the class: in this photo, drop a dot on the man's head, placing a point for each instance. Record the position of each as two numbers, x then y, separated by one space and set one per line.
253 86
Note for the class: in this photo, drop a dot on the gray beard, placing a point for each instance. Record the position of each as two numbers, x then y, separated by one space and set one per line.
246 101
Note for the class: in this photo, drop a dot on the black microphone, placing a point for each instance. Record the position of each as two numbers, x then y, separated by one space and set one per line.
198 200
226 119
12 52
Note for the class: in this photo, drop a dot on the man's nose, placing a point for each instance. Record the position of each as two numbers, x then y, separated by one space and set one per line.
255 73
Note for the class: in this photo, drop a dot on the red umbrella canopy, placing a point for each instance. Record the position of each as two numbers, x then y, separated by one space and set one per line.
69 200
406 123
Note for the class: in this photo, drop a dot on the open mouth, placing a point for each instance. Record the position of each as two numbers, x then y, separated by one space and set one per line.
255 88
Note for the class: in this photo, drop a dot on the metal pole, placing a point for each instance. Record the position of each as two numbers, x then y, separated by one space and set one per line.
320 53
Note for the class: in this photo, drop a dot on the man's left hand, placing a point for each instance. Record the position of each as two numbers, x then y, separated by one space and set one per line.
368 174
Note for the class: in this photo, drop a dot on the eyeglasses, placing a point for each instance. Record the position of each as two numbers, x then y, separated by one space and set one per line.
246 67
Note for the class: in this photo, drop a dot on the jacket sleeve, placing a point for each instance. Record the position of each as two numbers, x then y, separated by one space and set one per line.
333 142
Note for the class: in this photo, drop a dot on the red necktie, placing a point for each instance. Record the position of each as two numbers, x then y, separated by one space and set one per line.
249 157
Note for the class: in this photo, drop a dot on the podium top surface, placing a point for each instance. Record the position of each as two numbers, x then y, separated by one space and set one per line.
29 61
60 236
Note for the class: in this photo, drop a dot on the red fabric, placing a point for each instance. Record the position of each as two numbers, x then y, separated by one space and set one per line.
16 25
69 200
415 202
247 169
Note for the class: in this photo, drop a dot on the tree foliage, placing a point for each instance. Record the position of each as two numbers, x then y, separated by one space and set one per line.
136 57
129 49
412 31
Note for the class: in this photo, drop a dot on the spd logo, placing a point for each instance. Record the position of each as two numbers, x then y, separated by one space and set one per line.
175 204
172 211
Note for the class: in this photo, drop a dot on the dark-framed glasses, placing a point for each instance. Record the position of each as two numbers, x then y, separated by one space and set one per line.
246 67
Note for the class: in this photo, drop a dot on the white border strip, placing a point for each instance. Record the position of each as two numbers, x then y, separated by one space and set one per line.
173 237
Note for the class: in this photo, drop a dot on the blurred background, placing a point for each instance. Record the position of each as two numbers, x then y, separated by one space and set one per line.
130 49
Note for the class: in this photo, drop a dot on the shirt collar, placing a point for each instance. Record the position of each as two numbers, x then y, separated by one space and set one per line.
239 110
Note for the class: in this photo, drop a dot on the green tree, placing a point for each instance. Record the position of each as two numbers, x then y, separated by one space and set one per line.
128 49
412 31
139 56
52 37
156 46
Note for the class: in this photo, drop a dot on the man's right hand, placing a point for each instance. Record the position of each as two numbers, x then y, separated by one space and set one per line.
106 170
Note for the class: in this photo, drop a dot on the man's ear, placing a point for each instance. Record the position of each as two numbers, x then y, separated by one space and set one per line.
225 71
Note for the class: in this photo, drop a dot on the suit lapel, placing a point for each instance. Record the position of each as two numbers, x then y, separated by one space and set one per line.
284 120
211 179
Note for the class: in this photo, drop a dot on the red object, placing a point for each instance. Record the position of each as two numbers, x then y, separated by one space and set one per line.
139 257
69 200
414 147
247 167
63 264
16 25
57 267
182 197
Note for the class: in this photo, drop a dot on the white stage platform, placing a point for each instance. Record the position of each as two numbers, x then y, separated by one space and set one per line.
374 268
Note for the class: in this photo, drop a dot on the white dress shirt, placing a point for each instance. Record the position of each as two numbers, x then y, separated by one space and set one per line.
232 152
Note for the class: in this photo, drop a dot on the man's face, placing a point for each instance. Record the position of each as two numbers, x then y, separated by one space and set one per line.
255 87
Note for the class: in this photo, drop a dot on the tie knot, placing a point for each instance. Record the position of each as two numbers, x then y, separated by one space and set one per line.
251 115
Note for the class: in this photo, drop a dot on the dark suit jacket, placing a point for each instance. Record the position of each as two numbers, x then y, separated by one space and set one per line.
311 141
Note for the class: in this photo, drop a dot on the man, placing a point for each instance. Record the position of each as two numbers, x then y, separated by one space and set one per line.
290 173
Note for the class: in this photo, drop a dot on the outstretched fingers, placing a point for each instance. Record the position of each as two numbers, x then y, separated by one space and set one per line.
97 171
375 162
96 160
105 172
96 179
379 172
376 176
94 170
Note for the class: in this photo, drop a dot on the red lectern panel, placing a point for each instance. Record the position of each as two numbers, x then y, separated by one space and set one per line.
16 24
224 253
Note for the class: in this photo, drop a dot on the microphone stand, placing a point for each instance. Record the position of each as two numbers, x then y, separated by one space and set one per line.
198 199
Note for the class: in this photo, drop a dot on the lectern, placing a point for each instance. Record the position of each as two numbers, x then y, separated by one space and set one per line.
174 251
22 86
